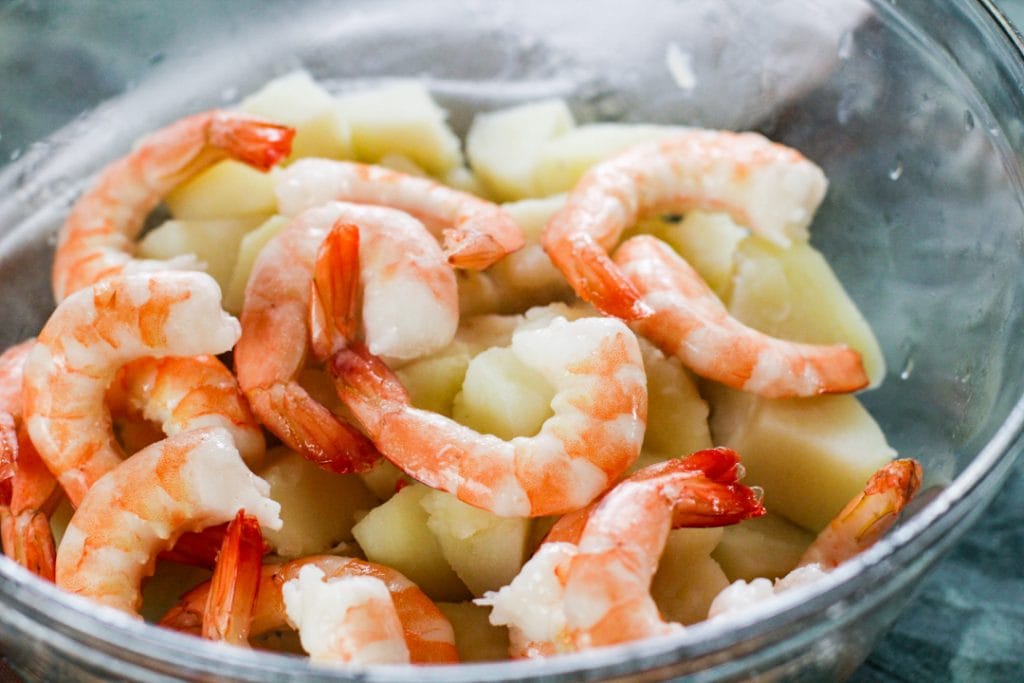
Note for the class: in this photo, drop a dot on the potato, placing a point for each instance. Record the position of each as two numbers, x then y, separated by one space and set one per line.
434 381
318 508
708 242
688 579
385 479
296 100
793 293
811 455
475 637
248 249
503 146
228 189
677 416
401 119
395 534
485 550
162 591
533 214
464 180
768 547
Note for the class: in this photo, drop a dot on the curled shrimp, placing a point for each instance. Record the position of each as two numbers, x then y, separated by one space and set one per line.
863 521
186 482
86 341
690 322
96 240
428 634
765 186
476 232
588 585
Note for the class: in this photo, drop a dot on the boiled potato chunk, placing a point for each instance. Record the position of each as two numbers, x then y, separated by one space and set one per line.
318 508
401 119
811 455
793 293
708 242
385 479
485 550
475 637
249 248
228 189
768 547
296 100
395 534
688 579
677 416
434 381
503 146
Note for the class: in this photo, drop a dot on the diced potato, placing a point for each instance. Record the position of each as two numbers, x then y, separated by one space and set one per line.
402 164
677 416
523 396
385 480
228 189
768 547
403 119
475 637
214 242
479 293
162 591
318 508
249 248
296 100
461 178
435 380
708 242
688 579
811 455
503 146
793 293
565 159
533 214
485 550
395 534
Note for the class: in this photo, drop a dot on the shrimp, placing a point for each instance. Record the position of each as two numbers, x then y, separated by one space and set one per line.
594 435
235 583
81 348
690 322
186 482
410 309
588 585
96 240
428 634
863 521
767 187
476 232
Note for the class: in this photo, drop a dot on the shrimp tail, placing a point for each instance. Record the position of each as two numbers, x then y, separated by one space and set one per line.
198 548
260 144
472 250
227 615
28 540
596 278
334 306
361 377
713 496
8 455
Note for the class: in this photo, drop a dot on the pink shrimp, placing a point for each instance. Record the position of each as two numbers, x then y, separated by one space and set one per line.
588 585
767 187
235 583
428 634
86 341
96 240
476 232
690 322
186 482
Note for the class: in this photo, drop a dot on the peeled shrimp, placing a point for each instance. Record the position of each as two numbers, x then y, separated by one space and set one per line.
410 309
476 232
690 322
86 341
765 186
588 585
96 240
186 482
863 521
428 634
600 412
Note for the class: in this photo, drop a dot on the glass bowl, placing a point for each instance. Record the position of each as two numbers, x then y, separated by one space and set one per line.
912 109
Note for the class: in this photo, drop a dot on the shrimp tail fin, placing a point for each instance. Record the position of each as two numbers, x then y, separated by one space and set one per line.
260 144
8 456
472 250
334 307
362 378
596 278
227 615
28 540
715 497
197 548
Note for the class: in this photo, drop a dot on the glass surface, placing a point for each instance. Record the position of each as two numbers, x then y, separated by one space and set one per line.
911 108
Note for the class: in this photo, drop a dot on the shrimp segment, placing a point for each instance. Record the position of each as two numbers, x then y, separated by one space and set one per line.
476 232
96 240
589 583
184 483
428 634
690 322
84 344
236 579
767 187
600 412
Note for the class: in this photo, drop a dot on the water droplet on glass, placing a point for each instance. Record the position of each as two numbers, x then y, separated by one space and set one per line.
908 368
968 121
15 154
896 171
845 45
229 94
156 58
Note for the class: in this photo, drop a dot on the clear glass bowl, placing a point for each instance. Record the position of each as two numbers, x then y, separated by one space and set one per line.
912 108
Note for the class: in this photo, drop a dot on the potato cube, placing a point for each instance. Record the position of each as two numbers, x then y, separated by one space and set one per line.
768 547
475 637
688 579
435 380
249 249
708 242
502 396
677 416
228 189
385 479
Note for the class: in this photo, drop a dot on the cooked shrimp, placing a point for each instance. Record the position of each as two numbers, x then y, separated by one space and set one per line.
410 309
186 482
863 521
235 583
428 635
589 583
86 341
690 322
476 232
600 413
96 240
771 189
